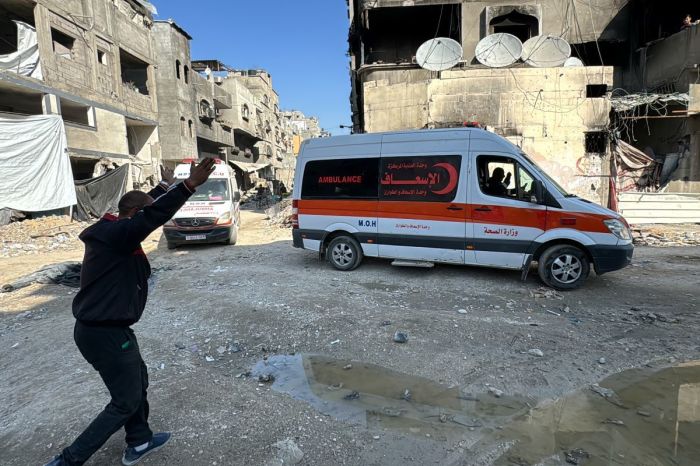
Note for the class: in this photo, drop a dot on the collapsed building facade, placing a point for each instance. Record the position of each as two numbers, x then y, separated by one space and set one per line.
92 63
633 86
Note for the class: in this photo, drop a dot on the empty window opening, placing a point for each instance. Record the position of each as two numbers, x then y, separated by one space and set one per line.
245 112
134 72
596 142
63 44
83 169
73 112
596 90
518 24
8 36
183 127
394 34
187 74
177 69
189 125
17 101
602 53
102 57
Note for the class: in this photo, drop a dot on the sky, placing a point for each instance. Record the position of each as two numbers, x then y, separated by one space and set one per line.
302 44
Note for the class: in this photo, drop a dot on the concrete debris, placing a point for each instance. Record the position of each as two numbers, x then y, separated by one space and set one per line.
37 236
666 235
577 456
462 311
280 214
616 422
288 452
353 395
266 378
602 361
347 367
536 352
543 292
652 317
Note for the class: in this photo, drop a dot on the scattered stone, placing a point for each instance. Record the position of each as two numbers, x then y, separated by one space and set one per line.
353 395
375 437
577 456
335 342
266 378
406 395
335 387
536 352
602 361
243 375
644 413
15 345
462 311
221 350
235 348
180 346
608 394
288 452
495 392
209 359
400 337
566 309
347 367
616 422
385 323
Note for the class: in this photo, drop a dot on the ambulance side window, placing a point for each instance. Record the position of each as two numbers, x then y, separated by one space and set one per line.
341 179
504 177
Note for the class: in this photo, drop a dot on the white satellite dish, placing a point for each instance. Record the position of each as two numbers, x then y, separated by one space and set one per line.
573 61
439 54
546 51
499 50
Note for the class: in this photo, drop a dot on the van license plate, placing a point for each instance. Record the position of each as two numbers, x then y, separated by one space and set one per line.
195 237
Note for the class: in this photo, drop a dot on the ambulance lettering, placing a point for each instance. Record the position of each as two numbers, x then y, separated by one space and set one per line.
367 223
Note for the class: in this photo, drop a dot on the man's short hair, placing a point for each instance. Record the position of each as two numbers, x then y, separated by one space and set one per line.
133 200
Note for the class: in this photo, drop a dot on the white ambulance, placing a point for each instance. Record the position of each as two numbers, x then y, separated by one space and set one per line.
459 196
212 214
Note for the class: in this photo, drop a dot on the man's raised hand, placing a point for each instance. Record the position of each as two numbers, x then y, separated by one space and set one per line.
200 173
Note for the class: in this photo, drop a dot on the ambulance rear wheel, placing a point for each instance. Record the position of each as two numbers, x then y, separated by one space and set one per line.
344 253
564 267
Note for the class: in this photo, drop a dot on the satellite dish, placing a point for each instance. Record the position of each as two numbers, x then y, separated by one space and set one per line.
441 53
499 50
546 51
573 61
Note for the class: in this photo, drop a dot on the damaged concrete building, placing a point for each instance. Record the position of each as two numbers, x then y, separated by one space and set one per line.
94 67
563 116
302 128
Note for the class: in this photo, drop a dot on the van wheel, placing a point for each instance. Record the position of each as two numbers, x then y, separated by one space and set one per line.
234 236
563 267
344 253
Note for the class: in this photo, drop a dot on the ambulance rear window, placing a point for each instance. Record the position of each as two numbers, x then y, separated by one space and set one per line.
341 179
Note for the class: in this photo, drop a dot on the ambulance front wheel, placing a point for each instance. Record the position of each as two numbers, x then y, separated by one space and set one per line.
344 253
564 267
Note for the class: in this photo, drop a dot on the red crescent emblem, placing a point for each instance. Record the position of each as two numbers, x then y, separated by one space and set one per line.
453 176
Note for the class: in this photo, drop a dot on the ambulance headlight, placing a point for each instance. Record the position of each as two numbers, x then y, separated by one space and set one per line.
224 219
618 229
169 223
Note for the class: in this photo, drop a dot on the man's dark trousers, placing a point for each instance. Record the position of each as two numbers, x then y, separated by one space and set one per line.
114 353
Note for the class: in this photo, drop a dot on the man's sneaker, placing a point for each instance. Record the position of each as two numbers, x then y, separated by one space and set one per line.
131 456
57 461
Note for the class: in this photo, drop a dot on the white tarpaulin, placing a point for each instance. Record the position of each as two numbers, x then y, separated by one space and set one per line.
25 60
35 169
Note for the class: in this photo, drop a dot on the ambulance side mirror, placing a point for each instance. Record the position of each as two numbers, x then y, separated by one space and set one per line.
537 192
237 196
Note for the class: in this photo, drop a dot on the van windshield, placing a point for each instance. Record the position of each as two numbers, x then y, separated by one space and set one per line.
546 176
212 190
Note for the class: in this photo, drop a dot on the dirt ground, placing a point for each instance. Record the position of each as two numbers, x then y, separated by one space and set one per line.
217 311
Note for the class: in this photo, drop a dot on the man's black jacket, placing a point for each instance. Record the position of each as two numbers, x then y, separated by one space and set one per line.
115 272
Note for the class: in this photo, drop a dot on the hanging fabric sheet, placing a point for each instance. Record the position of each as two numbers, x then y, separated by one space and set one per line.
34 165
25 60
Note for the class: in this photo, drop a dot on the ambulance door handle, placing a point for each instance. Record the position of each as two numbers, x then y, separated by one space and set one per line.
483 209
454 207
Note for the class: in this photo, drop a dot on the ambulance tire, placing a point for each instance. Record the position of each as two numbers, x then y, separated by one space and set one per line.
563 267
344 253
234 236
171 245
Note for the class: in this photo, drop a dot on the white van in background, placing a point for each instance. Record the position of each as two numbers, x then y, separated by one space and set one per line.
212 214
460 196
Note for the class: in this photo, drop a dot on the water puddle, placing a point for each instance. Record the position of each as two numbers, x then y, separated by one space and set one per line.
637 417
379 398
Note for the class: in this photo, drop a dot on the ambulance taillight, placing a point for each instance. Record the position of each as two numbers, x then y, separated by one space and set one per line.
295 214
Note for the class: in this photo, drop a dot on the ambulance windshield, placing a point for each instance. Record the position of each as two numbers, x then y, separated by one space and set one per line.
546 176
212 190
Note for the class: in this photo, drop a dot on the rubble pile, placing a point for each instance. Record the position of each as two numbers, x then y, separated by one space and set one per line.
666 235
40 235
281 214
